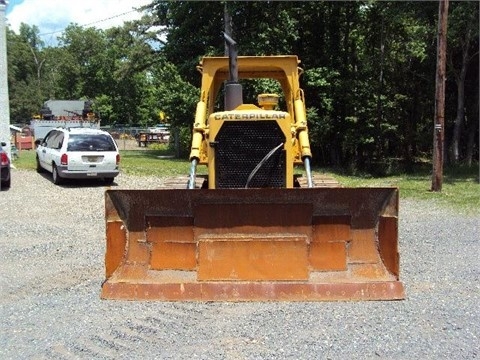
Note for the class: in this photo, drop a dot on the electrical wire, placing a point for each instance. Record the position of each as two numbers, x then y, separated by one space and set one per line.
89 24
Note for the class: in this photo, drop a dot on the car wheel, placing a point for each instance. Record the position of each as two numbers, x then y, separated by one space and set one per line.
39 167
6 184
57 180
108 181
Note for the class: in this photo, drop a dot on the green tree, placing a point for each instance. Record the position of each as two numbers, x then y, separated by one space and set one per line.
128 72
26 73
193 29
81 68
368 80
462 50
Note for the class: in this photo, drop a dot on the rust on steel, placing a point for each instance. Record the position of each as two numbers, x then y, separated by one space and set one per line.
252 244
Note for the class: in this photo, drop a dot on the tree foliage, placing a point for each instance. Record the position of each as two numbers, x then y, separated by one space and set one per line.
369 70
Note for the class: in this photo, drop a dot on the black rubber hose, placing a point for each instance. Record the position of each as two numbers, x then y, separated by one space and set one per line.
261 163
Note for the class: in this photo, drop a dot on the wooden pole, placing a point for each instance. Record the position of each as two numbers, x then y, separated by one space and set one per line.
438 130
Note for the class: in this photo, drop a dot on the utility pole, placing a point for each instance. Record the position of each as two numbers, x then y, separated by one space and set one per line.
439 128
4 100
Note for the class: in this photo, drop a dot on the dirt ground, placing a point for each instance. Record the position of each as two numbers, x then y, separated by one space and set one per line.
52 246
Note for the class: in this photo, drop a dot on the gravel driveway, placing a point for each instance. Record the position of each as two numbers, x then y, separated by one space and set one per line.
52 249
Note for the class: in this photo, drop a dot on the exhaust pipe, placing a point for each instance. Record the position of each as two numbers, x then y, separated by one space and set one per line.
233 89
233 98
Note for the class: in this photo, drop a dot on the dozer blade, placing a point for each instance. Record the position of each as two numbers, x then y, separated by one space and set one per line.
252 245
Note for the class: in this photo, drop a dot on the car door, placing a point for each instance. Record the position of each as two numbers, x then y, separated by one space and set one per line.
50 150
42 151
55 148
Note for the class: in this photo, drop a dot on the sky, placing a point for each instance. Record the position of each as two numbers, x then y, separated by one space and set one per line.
52 16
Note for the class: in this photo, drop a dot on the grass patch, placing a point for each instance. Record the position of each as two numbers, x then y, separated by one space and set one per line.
25 160
461 189
151 163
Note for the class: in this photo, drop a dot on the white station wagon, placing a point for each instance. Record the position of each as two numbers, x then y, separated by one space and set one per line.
78 153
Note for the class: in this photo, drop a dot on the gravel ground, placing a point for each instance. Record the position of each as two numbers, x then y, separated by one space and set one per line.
52 249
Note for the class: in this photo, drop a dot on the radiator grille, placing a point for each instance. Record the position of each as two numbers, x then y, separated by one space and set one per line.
240 146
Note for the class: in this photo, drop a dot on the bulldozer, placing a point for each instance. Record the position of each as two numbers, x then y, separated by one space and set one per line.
253 228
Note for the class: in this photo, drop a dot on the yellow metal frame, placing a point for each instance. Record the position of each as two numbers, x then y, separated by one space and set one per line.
284 69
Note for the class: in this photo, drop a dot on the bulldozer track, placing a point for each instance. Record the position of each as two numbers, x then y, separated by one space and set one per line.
181 182
319 181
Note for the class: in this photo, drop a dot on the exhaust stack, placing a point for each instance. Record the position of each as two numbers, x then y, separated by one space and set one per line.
233 89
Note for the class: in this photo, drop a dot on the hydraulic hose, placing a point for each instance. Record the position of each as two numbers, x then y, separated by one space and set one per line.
193 174
261 163
306 162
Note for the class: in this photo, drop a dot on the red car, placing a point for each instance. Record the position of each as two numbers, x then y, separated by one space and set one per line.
4 168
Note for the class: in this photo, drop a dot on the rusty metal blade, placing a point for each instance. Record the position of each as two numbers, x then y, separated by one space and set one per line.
252 244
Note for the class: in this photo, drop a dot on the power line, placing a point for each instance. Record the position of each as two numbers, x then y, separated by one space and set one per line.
89 24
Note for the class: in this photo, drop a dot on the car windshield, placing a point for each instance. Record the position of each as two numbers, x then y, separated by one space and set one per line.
89 142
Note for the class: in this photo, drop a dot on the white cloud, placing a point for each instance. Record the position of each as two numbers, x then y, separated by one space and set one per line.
52 16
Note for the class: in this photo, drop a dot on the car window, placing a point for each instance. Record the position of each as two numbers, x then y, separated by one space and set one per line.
90 142
54 139
59 140
47 137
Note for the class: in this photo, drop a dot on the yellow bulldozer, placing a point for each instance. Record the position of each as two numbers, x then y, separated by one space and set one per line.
252 229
